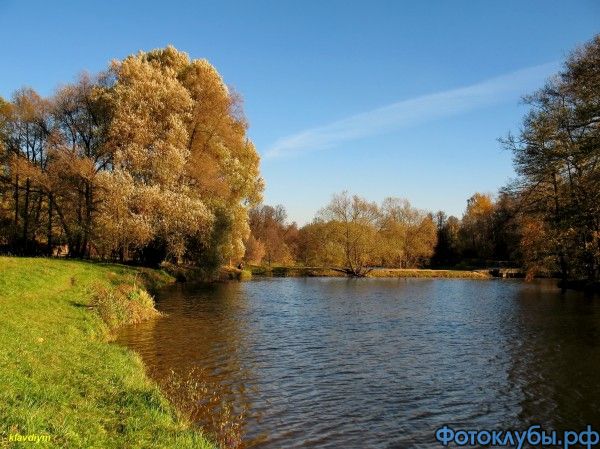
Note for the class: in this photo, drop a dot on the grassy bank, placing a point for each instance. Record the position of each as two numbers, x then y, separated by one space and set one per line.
293 271
62 382
423 273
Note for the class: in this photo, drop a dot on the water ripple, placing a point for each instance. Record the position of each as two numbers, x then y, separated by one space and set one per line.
382 363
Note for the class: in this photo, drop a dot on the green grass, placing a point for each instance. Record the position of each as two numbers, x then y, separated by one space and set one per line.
233 274
59 375
424 273
292 271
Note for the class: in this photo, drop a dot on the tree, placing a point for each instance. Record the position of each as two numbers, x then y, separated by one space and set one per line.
557 160
352 227
477 227
81 116
446 251
507 229
255 250
150 140
269 227
318 245
408 235
26 140
183 157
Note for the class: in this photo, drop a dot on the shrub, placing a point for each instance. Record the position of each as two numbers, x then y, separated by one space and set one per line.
123 304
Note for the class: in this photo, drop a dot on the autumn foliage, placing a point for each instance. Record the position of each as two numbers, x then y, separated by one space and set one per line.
350 234
150 161
146 161
557 160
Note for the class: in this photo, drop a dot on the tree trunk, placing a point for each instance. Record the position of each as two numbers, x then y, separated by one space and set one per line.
564 269
26 217
64 224
85 250
49 234
36 220
16 219
360 272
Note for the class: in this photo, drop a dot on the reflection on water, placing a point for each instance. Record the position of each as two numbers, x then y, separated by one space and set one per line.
382 363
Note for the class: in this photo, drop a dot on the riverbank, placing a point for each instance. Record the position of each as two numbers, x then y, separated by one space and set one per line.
425 273
294 271
63 383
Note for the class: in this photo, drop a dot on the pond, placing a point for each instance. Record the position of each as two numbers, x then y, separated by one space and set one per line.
380 363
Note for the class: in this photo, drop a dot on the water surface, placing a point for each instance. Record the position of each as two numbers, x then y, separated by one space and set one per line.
381 363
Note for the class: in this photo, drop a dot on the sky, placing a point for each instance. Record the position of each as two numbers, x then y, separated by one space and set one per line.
380 98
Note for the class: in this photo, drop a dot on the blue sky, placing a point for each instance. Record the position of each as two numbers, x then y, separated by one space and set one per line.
382 98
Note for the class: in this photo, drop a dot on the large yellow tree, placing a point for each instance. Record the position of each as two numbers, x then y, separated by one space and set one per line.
180 140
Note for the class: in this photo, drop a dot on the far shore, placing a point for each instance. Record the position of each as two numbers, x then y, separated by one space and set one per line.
299 271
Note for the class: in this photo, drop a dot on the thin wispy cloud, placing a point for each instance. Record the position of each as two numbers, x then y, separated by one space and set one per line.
497 90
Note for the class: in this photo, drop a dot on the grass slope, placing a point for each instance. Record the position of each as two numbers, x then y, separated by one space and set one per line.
60 378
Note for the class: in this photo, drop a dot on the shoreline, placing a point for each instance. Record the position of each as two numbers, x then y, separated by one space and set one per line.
294 271
63 380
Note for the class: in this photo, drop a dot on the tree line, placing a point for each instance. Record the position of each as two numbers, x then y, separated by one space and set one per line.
547 220
355 235
147 161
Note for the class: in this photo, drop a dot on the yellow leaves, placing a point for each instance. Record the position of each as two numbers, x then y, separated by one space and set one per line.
66 162
218 140
28 106
119 224
358 233
179 133
168 58
152 152
22 167
479 205
138 213
206 85
150 111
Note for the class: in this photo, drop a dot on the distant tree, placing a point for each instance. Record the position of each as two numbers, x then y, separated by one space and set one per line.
81 115
268 225
536 247
352 228
255 250
408 235
292 239
318 245
26 142
6 189
476 230
446 251
507 229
